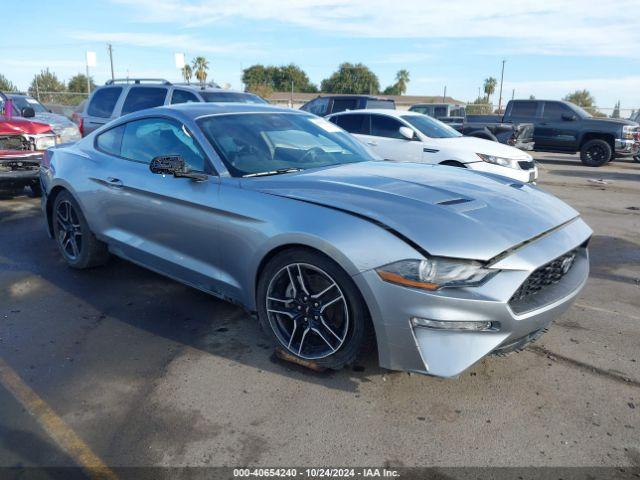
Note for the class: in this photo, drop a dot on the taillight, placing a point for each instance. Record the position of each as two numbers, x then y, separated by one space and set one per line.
46 158
81 126
77 119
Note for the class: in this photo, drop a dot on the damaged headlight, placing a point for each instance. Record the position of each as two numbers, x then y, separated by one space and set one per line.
44 141
502 161
434 273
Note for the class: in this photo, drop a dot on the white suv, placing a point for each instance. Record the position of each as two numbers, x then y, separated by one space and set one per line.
414 137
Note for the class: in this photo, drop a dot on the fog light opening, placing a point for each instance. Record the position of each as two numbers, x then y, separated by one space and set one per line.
467 326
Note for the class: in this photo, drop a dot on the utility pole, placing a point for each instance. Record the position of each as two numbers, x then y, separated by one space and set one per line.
501 80
110 50
513 94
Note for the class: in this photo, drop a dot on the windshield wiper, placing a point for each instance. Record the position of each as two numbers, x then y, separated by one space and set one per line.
279 171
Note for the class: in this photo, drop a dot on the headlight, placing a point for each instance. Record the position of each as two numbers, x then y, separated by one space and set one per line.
435 273
628 131
44 142
502 161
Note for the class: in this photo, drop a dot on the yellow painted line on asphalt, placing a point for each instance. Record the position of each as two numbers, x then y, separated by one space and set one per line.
55 427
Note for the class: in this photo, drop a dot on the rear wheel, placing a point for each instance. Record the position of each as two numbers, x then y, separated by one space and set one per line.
596 153
312 309
77 244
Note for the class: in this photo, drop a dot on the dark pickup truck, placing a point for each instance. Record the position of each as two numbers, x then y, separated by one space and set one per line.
563 127
491 127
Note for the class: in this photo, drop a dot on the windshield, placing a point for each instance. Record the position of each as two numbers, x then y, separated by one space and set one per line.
225 97
431 127
258 143
22 102
579 110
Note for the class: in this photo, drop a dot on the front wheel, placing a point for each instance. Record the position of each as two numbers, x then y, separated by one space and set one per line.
311 308
596 153
77 244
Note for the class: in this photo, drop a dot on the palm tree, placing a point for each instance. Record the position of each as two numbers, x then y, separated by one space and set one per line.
200 66
490 87
402 78
187 73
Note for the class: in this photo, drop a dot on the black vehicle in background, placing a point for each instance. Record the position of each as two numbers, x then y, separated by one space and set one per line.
563 127
491 127
324 105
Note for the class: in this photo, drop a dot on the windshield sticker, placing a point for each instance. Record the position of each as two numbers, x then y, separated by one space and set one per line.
326 126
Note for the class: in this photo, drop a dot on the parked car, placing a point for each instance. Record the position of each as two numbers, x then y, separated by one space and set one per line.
21 145
491 127
439 110
325 105
413 137
563 127
122 96
289 216
28 107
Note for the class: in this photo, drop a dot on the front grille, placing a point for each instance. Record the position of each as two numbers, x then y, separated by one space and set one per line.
543 277
14 142
527 165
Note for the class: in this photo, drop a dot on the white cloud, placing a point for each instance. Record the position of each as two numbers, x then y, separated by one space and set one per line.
558 27
177 42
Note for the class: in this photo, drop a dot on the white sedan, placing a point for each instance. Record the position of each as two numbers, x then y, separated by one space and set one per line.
413 137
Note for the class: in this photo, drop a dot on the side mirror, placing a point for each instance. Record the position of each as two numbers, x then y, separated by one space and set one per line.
407 133
28 112
174 165
568 117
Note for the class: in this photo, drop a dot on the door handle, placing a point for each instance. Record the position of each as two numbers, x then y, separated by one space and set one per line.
114 182
373 144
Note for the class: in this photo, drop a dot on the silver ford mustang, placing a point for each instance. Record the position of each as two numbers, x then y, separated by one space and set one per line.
289 216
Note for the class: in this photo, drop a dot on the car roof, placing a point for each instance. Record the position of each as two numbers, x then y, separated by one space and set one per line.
199 109
382 111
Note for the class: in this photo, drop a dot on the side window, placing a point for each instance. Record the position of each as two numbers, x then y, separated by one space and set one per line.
524 109
103 102
110 141
146 139
353 123
383 126
342 104
183 96
140 98
553 111
319 106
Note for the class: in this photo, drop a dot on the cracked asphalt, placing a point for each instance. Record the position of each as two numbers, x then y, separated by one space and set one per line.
147 371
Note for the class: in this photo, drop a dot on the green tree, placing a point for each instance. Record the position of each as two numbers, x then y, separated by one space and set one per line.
6 85
200 66
48 88
350 78
616 111
489 87
480 106
277 78
78 83
584 99
400 87
187 72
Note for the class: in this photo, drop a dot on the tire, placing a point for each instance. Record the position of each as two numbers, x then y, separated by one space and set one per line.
312 320
36 190
76 243
596 153
636 158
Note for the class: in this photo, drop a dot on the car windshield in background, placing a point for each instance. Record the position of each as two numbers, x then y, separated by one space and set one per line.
23 102
431 127
270 143
384 104
226 97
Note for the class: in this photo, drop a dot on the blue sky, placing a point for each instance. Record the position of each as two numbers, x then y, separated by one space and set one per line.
552 47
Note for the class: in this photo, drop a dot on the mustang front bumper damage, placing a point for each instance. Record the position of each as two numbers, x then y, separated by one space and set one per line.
531 289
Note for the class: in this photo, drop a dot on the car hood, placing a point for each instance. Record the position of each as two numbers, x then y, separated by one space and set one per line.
447 211
473 145
19 126
57 121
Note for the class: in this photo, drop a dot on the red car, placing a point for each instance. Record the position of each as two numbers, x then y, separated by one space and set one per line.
22 144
